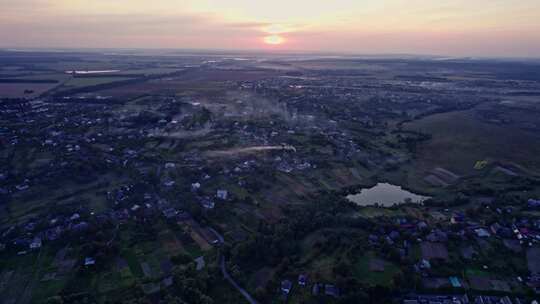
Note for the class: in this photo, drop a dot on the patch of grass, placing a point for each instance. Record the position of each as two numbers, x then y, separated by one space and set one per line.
384 278
476 272
371 212
415 253
47 289
90 81
193 250
133 263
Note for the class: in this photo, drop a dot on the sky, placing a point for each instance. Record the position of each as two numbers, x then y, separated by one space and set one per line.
492 28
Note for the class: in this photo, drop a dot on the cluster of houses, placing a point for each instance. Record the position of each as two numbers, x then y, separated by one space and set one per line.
463 299
317 289
329 89
30 236
517 234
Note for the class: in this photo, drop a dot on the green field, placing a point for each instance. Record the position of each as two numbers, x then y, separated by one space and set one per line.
458 146
90 81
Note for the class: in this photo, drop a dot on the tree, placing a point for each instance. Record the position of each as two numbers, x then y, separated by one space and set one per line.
343 268
174 300
181 258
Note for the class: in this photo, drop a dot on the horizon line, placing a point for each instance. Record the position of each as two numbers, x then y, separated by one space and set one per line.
222 51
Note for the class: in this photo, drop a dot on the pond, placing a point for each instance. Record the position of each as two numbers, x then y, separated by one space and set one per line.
385 195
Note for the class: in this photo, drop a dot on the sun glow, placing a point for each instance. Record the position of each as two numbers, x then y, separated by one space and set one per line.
274 40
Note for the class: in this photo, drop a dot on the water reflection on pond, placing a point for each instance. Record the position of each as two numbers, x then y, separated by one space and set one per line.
385 195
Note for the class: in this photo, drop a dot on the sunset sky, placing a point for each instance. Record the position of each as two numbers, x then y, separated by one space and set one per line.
438 27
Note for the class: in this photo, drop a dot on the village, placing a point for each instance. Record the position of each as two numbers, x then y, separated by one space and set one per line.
243 184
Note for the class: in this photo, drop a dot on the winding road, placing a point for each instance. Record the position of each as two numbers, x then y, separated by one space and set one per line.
226 274
228 277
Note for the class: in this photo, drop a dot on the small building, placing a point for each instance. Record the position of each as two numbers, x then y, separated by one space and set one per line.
200 263
183 215
169 183
222 194
532 203
434 251
437 235
424 264
286 286
166 266
195 187
36 243
169 213
302 280
22 187
495 228
394 235
455 282
331 290
316 289
80 227
422 225
208 204
482 233
167 282
89 261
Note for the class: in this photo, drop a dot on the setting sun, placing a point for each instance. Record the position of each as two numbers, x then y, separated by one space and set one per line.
274 40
